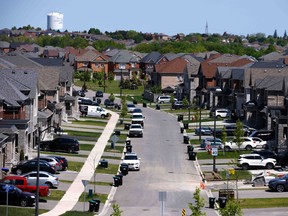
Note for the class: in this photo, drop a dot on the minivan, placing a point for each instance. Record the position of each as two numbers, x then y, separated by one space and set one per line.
164 99
263 134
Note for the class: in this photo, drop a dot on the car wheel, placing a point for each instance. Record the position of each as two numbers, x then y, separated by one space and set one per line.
49 184
245 166
269 166
280 188
226 148
102 116
18 171
218 116
70 150
24 203
248 148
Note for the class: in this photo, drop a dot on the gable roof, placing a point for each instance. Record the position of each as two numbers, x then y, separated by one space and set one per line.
124 56
152 58
176 66
92 56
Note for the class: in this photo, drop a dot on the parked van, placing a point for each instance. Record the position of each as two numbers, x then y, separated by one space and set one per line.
93 111
263 134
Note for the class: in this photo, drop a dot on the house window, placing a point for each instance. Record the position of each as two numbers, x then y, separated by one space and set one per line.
132 65
85 64
122 66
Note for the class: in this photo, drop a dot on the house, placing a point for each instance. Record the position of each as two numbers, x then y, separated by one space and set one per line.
4 46
20 103
92 61
149 62
124 63
208 74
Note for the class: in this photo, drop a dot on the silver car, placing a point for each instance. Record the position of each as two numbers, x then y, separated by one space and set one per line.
44 178
53 161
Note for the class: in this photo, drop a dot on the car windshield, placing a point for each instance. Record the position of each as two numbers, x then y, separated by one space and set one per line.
130 157
130 105
137 117
135 126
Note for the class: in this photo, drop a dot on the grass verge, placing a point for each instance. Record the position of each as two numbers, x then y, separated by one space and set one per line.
83 134
264 203
222 155
111 169
117 149
87 147
75 166
99 196
55 195
13 210
90 122
78 213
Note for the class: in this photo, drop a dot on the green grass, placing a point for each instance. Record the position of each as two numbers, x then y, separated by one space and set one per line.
240 174
111 87
78 213
86 147
75 166
117 149
111 157
55 195
14 210
264 203
112 169
99 196
83 133
227 155
90 122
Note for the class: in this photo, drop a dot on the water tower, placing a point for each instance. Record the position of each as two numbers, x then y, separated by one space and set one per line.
54 21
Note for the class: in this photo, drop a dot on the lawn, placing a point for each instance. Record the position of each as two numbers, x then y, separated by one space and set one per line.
111 87
90 122
83 134
111 169
222 155
264 203
13 210
75 166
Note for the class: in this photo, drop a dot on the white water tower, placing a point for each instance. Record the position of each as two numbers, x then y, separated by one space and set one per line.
54 21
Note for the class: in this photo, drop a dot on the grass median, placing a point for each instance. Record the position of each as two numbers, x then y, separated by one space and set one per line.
263 203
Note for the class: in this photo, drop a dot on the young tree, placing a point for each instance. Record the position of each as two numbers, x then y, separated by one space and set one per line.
232 208
185 102
111 97
199 203
224 138
239 133
124 109
116 210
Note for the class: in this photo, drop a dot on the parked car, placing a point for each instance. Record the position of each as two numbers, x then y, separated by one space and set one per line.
247 161
221 113
266 154
15 196
137 118
204 130
53 161
135 130
87 101
22 183
164 99
62 160
212 144
31 165
108 103
132 160
279 184
230 129
248 144
45 178
283 158
178 105
137 111
207 141
263 134
98 93
66 144
131 107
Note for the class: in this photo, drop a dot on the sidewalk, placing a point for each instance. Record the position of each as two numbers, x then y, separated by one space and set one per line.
71 197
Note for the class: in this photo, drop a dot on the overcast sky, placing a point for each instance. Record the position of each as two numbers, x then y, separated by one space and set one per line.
239 17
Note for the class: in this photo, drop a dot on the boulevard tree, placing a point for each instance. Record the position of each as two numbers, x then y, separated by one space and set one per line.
199 203
239 134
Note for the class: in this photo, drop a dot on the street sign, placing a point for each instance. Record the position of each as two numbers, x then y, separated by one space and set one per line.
162 196
214 151
114 138
85 182
183 212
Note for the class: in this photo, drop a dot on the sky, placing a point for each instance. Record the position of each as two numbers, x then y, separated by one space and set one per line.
239 17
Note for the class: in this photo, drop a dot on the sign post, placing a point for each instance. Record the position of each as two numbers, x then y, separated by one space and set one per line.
162 199
85 183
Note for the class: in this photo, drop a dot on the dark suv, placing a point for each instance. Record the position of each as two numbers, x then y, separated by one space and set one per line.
31 165
65 144
15 196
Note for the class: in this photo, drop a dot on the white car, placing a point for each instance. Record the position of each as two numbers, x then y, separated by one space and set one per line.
222 113
135 130
132 160
164 99
131 107
248 143
255 160
137 118
45 178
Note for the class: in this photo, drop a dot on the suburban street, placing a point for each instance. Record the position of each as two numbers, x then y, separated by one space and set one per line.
164 168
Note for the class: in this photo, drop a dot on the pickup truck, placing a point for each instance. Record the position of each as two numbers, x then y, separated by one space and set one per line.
21 183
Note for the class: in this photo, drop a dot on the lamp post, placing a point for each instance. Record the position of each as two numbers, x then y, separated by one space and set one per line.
121 83
56 129
214 108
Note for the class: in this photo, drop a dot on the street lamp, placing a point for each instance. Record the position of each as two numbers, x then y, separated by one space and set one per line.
56 130
121 83
214 109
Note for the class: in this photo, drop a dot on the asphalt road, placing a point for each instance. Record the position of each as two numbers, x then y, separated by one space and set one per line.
164 168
